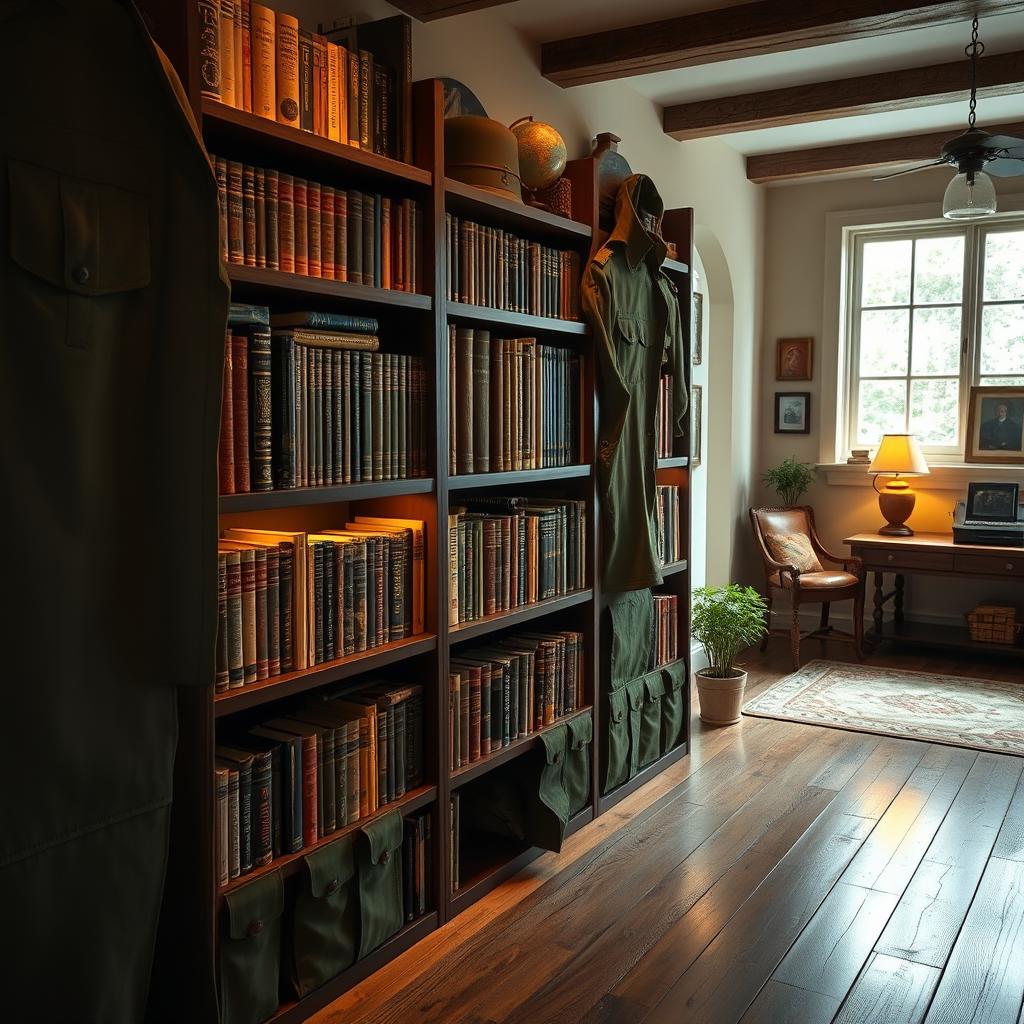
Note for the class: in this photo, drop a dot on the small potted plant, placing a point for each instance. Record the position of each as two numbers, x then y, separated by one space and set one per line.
790 480
724 621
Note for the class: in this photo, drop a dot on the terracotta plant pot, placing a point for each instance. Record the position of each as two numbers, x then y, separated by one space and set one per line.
721 700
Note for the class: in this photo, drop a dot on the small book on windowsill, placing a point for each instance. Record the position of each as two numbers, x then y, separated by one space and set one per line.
859 457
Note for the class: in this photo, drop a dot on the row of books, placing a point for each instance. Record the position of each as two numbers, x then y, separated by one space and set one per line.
453 841
664 422
492 267
289 600
260 60
515 404
280 221
665 647
285 784
669 511
510 689
506 552
417 864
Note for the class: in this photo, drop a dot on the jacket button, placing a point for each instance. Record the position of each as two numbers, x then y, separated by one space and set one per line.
385 857
255 927
333 887
81 274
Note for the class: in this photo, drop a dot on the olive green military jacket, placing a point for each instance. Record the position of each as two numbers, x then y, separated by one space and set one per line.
633 310
112 317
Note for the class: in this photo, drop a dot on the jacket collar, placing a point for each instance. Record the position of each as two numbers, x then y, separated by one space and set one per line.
638 193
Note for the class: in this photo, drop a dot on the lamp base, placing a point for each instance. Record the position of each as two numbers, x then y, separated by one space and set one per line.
894 530
896 504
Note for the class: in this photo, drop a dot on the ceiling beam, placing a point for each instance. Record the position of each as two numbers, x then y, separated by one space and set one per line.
434 10
872 155
998 75
745 30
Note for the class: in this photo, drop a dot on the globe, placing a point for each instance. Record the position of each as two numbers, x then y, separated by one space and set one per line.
542 153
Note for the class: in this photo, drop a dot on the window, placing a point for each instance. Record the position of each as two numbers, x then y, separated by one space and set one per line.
933 310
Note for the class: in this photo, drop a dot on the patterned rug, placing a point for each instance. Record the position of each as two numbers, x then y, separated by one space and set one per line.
977 713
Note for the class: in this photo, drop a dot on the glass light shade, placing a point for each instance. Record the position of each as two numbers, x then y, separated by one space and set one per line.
899 453
969 196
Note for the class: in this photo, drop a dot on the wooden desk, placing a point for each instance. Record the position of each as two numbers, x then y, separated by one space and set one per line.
933 554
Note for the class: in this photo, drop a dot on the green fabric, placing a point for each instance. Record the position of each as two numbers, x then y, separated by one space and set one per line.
632 620
636 697
549 812
617 760
324 930
673 705
577 762
380 881
633 310
651 719
250 951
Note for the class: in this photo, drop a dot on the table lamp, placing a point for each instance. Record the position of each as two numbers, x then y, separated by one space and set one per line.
899 455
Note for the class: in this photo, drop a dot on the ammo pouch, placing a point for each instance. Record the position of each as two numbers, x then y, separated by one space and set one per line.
673 705
576 777
379 847
548 804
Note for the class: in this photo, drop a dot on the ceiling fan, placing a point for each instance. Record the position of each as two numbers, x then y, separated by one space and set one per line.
976 155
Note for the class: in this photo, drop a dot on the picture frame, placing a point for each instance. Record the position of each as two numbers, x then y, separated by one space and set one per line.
994 502
995 426
794 359
698 329
696 424
792 412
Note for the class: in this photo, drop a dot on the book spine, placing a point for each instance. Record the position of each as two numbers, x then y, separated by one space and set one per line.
260 183
273 611
310 828
226 449
355 237
301 214
261 409
221 172
306 81
236 216
264 62
313 228
228 84
262 618
248 564
340 235
286 599
222 678
327 232
221 829
240 410
481 401
262 809
234 826
333 98
287 39
371 270
365 100
236 663
246 18
239 56
273 220
208 17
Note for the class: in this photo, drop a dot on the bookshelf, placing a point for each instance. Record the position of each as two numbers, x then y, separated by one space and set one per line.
420 324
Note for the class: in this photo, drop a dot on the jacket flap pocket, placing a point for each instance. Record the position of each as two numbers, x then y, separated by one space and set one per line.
654 684
632 328
637 693
675 676
384 836
581 730
331 866
554 744
618 702
253 907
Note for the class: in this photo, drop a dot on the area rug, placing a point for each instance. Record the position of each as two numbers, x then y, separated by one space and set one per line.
977 713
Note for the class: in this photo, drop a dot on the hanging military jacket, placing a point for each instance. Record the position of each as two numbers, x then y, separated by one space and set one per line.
112 316
633 310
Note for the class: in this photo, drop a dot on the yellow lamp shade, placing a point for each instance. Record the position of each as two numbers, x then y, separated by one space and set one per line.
899 453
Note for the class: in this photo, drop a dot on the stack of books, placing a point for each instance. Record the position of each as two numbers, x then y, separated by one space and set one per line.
515 404
506 552
670 522
510 689
665 646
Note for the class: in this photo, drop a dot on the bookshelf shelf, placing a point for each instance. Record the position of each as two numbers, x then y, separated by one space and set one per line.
278 285
291 863
224 124
497 211
257 694
514 478
492 623
468 772
465 312
673 568
258 501
676 462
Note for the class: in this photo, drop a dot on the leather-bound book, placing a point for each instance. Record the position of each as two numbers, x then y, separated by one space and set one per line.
316 562
490 528
403 468
384 241
340 235
328 427
387 367
228 83
208 20
273 222
260 188
306 81
261 408
329 601
496 418
286 599
371 269
262 619
236 656
286 221
453 396
283 411
321 82
239 56
352 101
365 60
301 215
246 53
346 416
247 561
287 27
313 228
464 370
226 449
481 400
333 98
273 610
240 409
355 237
222 677
376 388
221 826
293 830
221 173
239 765
236 217
264 62
327 232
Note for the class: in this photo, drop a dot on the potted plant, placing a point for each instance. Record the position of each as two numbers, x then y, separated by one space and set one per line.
724 621
790 480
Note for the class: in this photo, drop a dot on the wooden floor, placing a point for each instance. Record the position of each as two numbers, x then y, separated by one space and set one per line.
781 873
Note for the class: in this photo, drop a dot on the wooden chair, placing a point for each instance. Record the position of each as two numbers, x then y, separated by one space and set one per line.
794 558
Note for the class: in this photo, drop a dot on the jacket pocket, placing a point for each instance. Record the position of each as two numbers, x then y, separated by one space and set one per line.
250 951
617 761
85 246
632 617
325 920
651 719
577 762
380 881
549 811
673 705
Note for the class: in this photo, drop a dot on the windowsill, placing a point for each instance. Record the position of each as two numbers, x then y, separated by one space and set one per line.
948 477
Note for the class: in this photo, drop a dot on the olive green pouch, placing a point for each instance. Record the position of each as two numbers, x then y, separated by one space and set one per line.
325 921
250 951
617 761
577 762
549 811
636 696
651 719
380 881
673 705
632 615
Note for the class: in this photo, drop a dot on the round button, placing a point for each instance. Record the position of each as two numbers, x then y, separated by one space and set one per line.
333 887
255 927
1009 566
81 274
385 857
891 557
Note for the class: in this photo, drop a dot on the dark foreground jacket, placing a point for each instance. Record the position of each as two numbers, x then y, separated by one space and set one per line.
633 310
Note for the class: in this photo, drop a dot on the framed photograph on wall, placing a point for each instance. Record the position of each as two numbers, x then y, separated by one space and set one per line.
995 426
792 412
794 359
698 328
696 419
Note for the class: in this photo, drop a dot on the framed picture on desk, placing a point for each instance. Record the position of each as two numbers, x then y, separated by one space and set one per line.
995 426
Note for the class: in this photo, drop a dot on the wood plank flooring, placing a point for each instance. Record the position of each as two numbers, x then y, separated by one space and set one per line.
780 873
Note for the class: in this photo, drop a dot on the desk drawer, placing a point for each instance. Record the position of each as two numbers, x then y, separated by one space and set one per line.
990 565
881 558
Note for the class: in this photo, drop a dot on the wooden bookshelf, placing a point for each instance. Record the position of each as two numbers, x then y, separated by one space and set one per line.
517 477
517 616
275 286
497 211
464 312
299 497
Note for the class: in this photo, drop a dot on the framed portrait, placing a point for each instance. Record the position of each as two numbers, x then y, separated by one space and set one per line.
992 503
696 419
698 328
995 426
793 359
792 412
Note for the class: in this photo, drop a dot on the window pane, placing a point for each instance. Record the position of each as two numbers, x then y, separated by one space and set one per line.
884 342
883 405
1002 382
934 408
885 279
1002 339
939 270
936 341
1004 265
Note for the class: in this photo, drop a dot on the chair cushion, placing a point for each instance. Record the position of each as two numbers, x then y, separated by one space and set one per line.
793 549
822 580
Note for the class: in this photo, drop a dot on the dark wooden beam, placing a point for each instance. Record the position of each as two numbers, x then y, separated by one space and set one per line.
998 75
746 30
433 10
871 155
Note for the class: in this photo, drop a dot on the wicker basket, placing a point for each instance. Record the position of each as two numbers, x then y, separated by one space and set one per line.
994 624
